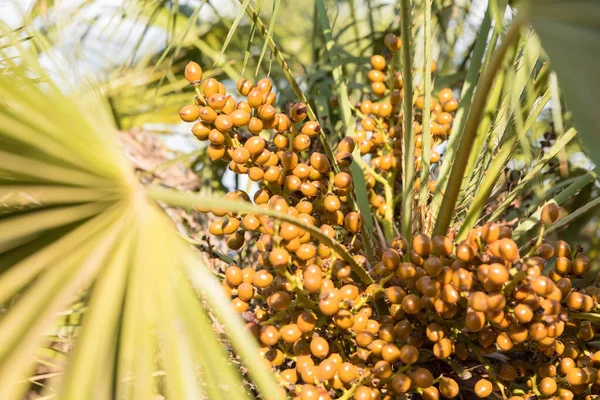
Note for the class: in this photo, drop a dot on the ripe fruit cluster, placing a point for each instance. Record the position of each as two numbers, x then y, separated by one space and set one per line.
434 319
380 132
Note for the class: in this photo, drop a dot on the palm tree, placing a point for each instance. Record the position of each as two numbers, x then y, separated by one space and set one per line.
85 246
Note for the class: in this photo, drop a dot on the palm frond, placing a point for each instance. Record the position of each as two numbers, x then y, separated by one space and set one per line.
78 223
465 104
561 24
552 152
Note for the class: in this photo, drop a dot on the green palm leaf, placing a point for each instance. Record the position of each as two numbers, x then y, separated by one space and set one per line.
570 34
75 224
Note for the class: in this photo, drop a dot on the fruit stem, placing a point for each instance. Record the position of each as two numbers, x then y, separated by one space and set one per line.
501 387
534 385
350 392
340 348
292 136
388 219
200 94
364 300
275 318
538 241
207 249
330 185
228 140
584 347
301 296
475 349
287 354
514 281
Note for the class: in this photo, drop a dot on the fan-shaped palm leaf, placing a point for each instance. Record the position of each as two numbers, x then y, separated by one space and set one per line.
75 223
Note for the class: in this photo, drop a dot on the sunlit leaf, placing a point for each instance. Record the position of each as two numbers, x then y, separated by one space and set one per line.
77 227
276 4
232 29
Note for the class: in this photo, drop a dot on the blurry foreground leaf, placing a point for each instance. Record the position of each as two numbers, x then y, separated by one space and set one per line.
570 34
74 221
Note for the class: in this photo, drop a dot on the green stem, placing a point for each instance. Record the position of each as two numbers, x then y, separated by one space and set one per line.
495 169
465 103
471 125
316 45
188 200
348 394
388 220
558 121
425 155
371 21
593 317
538 241
490 179
337 72
534 385
355 25
408 171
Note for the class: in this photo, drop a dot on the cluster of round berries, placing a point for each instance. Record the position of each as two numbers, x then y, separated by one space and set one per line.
272 149
380 133
236 130
446 310
434 318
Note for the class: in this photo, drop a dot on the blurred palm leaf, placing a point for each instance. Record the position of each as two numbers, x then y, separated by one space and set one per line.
570 34
234 26
75 224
